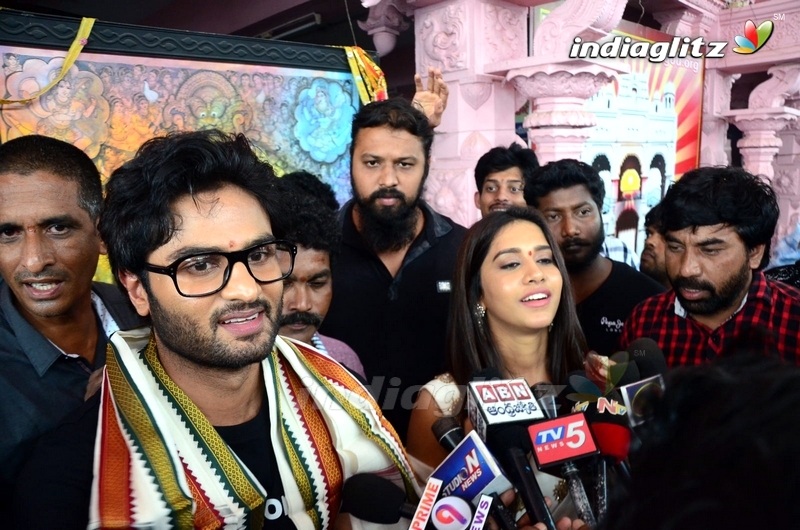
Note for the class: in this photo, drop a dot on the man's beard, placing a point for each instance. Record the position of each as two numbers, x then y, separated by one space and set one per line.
656 273
580 253
185 338
388 228
717 301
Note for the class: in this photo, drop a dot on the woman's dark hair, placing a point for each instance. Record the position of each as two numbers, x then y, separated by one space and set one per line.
137 216
470 347
723 195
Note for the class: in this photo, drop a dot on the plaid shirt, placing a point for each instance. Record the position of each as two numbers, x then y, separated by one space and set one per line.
616 249
768 322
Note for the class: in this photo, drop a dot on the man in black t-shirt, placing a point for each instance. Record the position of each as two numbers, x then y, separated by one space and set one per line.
392 278
570 194
206 416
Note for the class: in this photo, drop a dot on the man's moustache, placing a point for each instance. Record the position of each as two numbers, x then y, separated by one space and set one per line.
574 242
689 283
310 319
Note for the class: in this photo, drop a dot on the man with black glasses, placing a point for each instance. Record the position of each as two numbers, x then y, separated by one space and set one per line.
208 418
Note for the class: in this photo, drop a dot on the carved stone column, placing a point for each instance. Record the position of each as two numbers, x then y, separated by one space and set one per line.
465 38
686 22
385 22
761 143
559 125
715 149
786 181
765 116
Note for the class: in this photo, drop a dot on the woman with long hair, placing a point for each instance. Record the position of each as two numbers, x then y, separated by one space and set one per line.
512 309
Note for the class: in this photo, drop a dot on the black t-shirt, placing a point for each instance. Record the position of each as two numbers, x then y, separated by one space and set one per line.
604 312
396 324
54 487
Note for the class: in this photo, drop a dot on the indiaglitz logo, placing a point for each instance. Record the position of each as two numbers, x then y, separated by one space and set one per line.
754 37
619 47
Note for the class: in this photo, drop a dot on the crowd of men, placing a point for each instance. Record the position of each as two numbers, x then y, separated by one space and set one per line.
249 285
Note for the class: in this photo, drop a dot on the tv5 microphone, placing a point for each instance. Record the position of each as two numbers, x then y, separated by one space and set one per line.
562 440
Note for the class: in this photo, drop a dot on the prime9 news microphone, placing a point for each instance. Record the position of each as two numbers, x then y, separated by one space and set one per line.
375 499
501 410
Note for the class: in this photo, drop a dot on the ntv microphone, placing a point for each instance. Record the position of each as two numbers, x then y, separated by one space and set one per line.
608 422
500 411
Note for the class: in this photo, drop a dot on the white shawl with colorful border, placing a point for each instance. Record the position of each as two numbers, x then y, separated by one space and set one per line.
160 464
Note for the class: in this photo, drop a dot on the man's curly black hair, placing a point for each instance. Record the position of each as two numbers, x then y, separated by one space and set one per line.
312 212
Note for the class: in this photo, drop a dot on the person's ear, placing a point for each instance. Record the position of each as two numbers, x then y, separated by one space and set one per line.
103 247
136 292
478 200
755 255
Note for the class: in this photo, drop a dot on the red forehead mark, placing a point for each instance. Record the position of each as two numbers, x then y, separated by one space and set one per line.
230 244
530 253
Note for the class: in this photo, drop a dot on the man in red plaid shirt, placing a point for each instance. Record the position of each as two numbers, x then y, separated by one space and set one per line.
717 223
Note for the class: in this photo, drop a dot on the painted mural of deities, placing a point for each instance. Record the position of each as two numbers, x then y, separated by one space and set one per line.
324 116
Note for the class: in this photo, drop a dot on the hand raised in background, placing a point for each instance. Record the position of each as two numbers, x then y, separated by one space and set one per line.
432 101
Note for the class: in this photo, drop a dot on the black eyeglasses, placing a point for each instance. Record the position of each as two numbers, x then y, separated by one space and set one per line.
208 273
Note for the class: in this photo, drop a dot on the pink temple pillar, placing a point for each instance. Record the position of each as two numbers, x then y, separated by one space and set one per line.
464 39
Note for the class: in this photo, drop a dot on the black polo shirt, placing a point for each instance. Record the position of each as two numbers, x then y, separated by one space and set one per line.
40 384
397 325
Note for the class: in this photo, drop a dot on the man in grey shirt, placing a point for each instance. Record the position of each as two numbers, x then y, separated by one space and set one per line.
54 322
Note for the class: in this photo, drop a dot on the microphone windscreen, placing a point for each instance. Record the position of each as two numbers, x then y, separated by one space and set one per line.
624 372
612 439
487 374
500 438
648 356
372 498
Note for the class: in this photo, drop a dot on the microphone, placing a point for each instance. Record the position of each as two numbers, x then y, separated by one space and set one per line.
448 431
375 499
470 471
648 357
609 425
641 398
427 500
451 513
560 441
500 410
